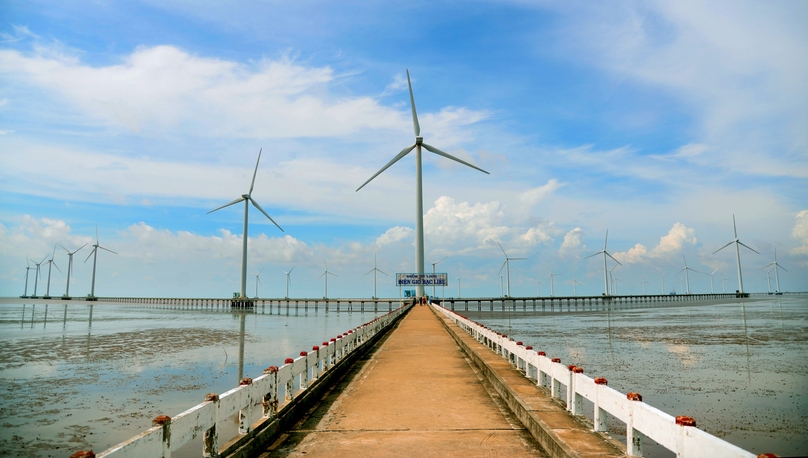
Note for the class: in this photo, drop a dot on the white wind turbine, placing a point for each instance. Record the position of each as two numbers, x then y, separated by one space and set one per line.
94 254
538 288
737 253
507 266
612 280
27 269
643 285
605 269
288 280
70 266
37 275
687 277
662 277
51 263
775 266
247 198
374 270
723 284
552 288
258 281
325 274
435 263
575 283
768 279
712 289
419 200
501 285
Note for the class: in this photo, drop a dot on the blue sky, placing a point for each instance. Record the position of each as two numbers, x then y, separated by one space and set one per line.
655 120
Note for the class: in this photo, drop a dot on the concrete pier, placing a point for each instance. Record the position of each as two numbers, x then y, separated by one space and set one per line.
419 394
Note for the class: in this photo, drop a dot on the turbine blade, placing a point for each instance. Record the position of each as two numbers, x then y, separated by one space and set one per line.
403 153
503 266
259 272
54 265
321 276
734 227
79 249
730 243
91 253
415 126
742 244
517 259
107 250
778 265
96 232
255 204
226 205
615 260
449 156
599 252
388 275
290 270
329 273
441 259
369 272
503 249
606 240
252 184
68 251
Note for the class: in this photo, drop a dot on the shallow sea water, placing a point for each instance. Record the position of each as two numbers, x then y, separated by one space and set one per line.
740 368
76 376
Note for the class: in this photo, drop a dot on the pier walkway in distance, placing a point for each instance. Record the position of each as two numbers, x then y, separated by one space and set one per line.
418 395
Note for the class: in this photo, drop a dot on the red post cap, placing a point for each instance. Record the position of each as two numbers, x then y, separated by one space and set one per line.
271 370
325 344
762 455
333 339
634 396
528 348
571 367
288 361
684 420
211 397
304 353
519 343
601 381
578 370
161 420
83 454
541 353
556 360
245 381
315 348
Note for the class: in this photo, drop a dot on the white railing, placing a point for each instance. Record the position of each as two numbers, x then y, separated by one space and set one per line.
272 391
678 434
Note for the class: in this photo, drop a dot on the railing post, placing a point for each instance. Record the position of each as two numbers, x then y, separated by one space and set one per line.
269 404
164 421
599 420
245 415
633 437
210 438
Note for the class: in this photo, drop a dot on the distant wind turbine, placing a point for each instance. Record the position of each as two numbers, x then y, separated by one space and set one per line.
51 263
613 280
247 198
643 285
737 253
257 281
575 283
38 275
712 289
435 263
538 288
768 279
507 266
70 266
723 284
419 201
605 269
374 270
94 254
552 289
27 268
501 287
288 280
325 274
775 266
662 277
687 277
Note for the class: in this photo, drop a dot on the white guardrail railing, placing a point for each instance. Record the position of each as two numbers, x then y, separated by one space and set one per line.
277 383
677 434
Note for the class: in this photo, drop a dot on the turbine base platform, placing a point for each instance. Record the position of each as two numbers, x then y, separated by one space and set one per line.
66 298
242 303
92 298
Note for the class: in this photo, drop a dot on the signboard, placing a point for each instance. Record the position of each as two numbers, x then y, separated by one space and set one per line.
422 279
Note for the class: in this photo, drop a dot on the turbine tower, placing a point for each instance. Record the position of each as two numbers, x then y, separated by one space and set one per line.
687 277
737 253
435 263
374 270
419 199
94 254
552 289
27 268
507 266
247 198
325 274
257 281
69 267
38 275
712 289
51 263
775 266
605 269
288 281
575 283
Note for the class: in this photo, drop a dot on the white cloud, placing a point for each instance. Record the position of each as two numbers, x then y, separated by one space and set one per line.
573 243
800 233
671 244
538 194
394 235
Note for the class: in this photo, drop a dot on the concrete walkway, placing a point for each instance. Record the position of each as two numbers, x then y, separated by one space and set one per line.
416 395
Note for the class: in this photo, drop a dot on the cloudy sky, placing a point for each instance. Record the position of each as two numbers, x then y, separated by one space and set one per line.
656 121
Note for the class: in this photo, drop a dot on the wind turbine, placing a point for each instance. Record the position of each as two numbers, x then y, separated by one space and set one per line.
613 280
51 263
605 271
501 288
288 281
27 268
723 284
419 200
257 281
37 275
687 277
247 198
712 289
435 263
775 265
768 279
552 289
575 283
643 285
94 254
325 274
507 266
70 266
374 270
737 253
538 288
663 281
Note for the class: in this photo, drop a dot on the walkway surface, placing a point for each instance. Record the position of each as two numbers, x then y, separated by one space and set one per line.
416 395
